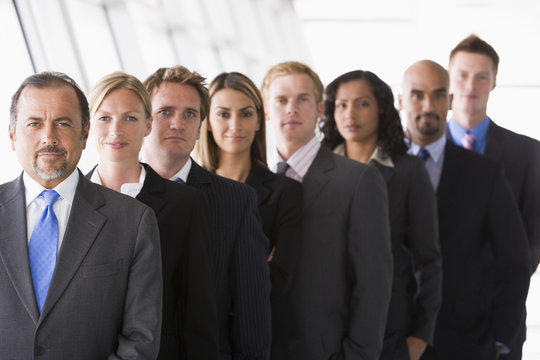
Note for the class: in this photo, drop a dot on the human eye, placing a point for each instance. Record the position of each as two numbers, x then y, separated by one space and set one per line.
364 104
223 114
63 124
190 114
246 114
164 112
304 99
282 101
341 105
32 124
131 118
417 96
103 118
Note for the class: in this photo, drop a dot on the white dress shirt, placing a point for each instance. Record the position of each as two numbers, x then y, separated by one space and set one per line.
62 207
183 173
300 161
130 189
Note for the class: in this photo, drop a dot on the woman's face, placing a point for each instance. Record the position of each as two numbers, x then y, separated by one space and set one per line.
356 112
233 121
119 126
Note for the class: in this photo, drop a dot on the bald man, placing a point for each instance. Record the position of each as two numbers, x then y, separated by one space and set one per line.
483 242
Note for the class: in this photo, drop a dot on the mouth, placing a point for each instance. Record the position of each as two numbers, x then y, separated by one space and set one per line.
351 127
292 123
116 145
50 153
235 137
175 138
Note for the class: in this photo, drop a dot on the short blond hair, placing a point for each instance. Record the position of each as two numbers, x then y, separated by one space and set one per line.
288 68
114 81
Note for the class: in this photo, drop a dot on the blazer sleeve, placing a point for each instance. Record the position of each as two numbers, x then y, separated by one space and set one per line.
371 267
512 271
423 241
200 324
141 329
530 200
286 232
250 280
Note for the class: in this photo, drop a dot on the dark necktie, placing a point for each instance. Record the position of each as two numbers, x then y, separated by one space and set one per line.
282 167
180 181
423 154
43 248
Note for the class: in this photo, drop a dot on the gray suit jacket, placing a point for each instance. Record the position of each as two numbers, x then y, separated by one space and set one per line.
104 301
340 292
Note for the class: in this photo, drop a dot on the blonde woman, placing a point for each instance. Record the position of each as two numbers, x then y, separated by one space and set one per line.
120 111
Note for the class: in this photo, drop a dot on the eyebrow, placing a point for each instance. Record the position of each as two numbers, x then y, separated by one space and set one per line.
244 108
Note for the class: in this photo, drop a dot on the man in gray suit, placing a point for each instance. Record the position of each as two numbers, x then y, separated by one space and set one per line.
337 303
80 266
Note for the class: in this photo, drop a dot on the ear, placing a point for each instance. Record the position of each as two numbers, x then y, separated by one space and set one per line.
12 137
400 101
451 96
266 116
148 126
320 109
494 83
86 131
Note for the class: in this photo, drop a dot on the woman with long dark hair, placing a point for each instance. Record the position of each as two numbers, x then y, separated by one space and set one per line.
361 123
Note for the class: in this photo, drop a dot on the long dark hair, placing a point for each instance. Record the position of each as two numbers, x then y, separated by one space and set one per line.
390 133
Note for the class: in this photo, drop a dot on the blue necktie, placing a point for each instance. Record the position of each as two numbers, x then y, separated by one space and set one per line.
423 154
180 181
43 248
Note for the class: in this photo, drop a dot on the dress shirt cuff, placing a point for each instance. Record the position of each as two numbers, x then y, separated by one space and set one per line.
505 349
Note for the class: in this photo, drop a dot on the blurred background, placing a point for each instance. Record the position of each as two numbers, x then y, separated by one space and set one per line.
88 39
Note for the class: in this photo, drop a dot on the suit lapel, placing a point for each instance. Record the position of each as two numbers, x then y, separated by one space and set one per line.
386 171
14 244
83 227
258 179
153 187
450 172
494 141
317 176
198 177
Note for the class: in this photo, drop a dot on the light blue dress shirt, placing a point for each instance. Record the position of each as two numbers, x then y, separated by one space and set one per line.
435 162
479 131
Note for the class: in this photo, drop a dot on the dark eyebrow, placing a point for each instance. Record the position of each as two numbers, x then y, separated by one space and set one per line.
441 90
247 107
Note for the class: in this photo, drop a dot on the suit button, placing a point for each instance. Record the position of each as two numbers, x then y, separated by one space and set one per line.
39 350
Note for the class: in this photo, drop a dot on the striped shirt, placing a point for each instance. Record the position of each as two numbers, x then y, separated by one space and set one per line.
300 161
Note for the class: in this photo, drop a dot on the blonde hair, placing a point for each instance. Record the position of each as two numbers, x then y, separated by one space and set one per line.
288 68
114 81
180 75
206 149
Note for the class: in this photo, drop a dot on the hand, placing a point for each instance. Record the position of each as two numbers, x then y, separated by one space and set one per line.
271 256
499 349
416 347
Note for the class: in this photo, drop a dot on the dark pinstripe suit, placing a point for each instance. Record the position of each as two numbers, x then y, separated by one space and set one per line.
239 250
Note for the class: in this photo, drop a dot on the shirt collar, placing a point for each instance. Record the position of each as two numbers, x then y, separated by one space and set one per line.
479 131
436 148
377 155
301 160
184 172
131 189
66 189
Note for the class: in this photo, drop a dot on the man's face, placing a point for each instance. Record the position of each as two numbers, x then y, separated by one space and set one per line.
425 101
293 109
48 138
177 121
472 77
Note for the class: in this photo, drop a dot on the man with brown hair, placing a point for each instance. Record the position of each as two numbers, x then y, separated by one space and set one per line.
238 245
338 300
473 70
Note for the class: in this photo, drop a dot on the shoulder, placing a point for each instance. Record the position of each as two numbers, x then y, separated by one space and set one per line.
261 175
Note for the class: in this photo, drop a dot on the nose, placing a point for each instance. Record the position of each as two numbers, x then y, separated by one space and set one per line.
427 104
349 111
116 128
291 108
469 83
50 136
234 122
177 122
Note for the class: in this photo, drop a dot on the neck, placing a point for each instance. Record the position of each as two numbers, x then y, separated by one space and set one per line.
467 119
234 166
114 174
360 151
165 166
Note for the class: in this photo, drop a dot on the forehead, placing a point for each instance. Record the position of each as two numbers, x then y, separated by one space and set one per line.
424 78
232 97
463 60
291 84
56 100
171 94
354 88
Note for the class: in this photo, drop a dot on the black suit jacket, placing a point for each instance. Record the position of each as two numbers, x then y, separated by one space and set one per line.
520 156
280 207
485 258
189 326
339 296
415 236
239 251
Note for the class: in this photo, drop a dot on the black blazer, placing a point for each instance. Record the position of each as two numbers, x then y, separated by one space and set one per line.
415 236
520 156
189 326
339 296
485 258
280 207
239 251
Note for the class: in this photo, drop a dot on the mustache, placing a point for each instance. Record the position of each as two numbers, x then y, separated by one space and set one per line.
431 114
51 149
